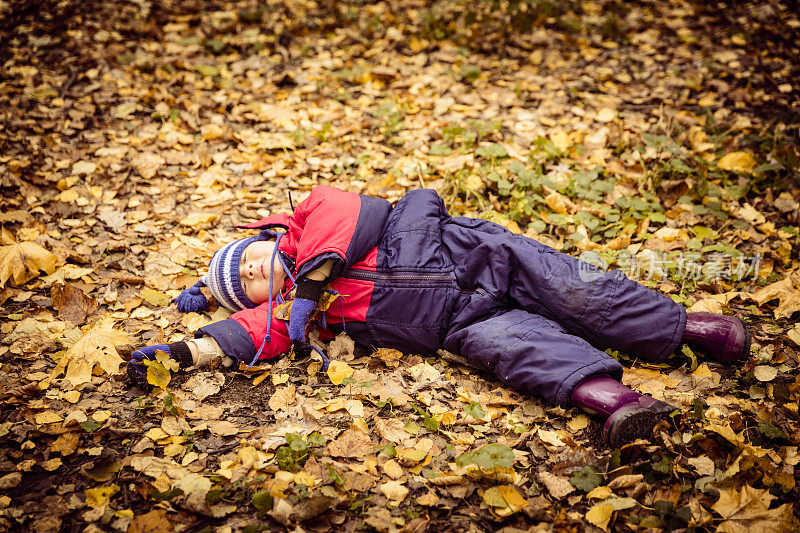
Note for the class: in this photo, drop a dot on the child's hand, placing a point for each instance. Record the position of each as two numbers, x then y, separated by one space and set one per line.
137 370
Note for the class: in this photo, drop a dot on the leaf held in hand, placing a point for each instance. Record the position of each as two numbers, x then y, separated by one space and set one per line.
157 374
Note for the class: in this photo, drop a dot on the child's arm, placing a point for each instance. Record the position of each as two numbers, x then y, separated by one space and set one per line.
206 349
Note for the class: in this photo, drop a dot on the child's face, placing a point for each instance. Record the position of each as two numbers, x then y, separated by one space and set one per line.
254 272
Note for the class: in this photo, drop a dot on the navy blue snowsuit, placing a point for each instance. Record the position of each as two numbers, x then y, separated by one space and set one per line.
536 318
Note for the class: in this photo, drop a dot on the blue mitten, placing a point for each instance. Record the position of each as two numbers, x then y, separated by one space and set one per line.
303 306
137 370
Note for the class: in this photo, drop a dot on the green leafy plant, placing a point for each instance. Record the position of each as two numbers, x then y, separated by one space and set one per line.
488 457
586 479
293 455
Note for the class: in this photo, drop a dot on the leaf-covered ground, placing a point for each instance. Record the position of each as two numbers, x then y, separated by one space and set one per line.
658 138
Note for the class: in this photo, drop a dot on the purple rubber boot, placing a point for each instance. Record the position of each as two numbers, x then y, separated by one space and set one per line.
628 414
724 338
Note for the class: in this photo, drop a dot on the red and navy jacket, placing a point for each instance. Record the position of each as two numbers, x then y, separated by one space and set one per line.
330 224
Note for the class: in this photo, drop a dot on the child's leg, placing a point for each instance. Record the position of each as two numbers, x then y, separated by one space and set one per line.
605 308
531 353
536 355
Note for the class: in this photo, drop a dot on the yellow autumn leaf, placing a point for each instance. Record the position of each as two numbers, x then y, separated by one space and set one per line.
99 497
600 514
786 291
156 298
280 379
504 500
22 261
257 381
326 301
96 347
737 162
157 374
561 140
168 362
304 478
338 371
282 399
599 493
47 417
748 510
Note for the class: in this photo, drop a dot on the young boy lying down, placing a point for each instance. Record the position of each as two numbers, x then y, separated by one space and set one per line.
412 277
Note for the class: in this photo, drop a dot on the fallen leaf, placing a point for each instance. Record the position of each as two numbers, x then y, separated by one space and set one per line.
100 496
353 443
765 372
204 384
393 469
282 399
504 500
560 139
748 510
341 348
96 347
703 464
72 304
391 429
155 521
47 417
599 493
338 371
786 291
394 491
21 262
157 374
390 357
558 487
599 515
147 164
743 162
223 428
550 437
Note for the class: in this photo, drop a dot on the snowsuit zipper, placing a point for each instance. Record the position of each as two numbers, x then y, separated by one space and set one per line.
406 277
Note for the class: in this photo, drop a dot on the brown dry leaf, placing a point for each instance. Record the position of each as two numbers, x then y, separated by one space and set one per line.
504 500
72 304
391 429
66 443
155 521
394 490
147 164
282 399
748 510
96 347
558 487
341 348
204 384
353 444
223 428
389 356
22 261
786 291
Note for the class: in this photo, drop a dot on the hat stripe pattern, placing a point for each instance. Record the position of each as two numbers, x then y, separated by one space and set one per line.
223 276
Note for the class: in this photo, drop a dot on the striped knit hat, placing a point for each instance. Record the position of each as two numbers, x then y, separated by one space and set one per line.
222 279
